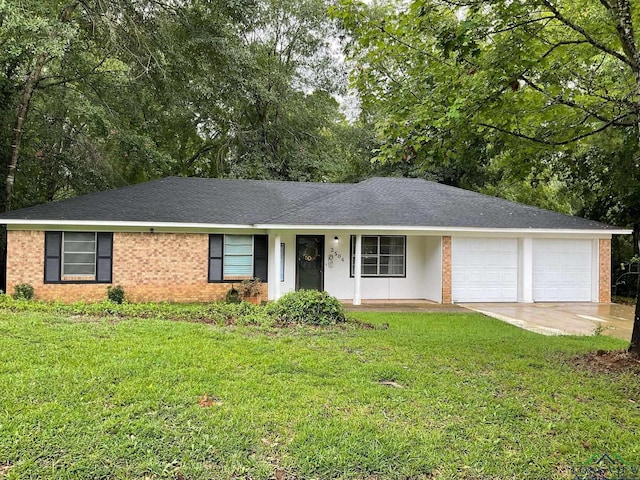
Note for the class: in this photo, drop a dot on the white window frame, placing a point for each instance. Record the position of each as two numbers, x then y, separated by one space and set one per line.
64 253
378 255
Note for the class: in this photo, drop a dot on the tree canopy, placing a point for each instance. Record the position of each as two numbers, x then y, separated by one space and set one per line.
102 93
535 100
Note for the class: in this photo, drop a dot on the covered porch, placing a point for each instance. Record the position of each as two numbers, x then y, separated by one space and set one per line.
355 266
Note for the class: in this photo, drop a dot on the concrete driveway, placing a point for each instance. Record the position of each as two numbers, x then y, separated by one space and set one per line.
563 318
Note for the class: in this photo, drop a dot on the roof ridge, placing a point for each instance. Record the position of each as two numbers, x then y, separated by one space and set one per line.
488 196
304 203
502 199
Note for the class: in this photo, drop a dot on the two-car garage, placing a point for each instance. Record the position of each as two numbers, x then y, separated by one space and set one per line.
487 269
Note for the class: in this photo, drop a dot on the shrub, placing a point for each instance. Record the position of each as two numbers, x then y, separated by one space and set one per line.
309 307
23 291
115 294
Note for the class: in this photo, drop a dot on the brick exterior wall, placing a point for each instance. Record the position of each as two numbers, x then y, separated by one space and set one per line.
446 270
155 267
604 271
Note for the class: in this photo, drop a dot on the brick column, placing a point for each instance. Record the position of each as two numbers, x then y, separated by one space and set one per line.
446 270
604 270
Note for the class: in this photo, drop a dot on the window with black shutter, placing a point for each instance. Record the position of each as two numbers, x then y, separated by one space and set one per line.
235 257
78 257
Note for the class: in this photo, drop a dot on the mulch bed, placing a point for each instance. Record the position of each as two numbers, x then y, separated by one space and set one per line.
603 361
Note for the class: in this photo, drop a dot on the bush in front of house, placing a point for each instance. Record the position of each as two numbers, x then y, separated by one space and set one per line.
309 307
23 291
304 307
115 294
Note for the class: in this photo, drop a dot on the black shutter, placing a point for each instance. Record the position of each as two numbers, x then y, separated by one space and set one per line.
104 257
260 257
215 257
52 256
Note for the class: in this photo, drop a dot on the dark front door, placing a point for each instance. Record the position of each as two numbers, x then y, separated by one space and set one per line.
309 262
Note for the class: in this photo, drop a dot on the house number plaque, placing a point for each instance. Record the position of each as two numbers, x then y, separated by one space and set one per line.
334 255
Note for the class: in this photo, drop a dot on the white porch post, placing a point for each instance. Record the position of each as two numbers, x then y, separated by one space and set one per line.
277 266
357 272
525 264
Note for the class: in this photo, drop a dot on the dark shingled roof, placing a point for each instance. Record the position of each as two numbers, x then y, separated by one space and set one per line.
397 202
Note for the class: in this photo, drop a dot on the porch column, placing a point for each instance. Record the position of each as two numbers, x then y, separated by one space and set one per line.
357 272
525 270
277 266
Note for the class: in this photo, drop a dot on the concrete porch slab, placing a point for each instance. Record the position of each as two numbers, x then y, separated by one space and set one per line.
401 306
562 318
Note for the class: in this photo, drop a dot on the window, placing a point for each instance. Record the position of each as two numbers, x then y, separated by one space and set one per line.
79 254
382 255
78 257
282 262
236 257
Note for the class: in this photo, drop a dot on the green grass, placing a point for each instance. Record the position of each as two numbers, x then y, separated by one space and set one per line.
112 398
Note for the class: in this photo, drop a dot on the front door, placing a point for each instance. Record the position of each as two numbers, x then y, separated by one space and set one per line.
309 262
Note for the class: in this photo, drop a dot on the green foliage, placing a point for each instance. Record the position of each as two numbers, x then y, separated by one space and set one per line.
23 291
316 308
115 294
532 101
113 107
309 307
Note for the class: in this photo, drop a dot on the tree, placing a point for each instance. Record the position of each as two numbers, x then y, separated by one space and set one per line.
103 93
540 85
282 114
58 58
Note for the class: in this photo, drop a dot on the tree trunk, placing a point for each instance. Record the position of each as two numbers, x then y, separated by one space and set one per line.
634 347
622 10
23 109
16 137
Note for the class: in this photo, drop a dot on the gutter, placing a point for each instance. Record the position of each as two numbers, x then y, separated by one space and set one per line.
18 224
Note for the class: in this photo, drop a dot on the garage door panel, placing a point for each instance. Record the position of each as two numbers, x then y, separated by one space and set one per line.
484 270
562 270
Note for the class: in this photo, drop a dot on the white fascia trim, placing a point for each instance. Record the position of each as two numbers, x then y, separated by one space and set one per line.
355 228
450 230
99 223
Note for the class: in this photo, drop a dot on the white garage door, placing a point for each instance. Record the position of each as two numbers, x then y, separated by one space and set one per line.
484 269
562 270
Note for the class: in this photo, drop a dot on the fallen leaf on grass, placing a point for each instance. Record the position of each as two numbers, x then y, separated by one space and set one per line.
207 401
390 383
269 443
4 469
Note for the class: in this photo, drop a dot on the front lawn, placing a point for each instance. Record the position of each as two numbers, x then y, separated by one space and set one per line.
446 396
